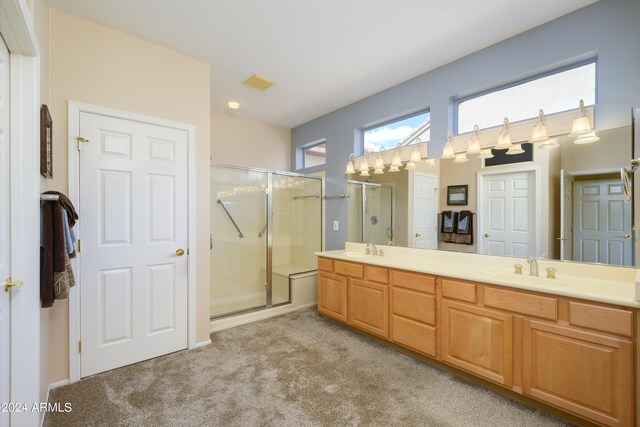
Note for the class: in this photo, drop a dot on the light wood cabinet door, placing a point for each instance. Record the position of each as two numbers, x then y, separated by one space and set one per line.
369 307
584 373
478 340
332 296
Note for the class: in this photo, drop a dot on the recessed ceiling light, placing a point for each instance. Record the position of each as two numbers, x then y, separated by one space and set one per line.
233 105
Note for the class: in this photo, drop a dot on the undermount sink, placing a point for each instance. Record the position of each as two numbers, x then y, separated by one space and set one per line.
356 255
525 278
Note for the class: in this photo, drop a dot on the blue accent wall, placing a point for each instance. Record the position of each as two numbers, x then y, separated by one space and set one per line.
608 29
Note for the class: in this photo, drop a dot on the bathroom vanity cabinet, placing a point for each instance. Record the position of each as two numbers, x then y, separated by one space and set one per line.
576 355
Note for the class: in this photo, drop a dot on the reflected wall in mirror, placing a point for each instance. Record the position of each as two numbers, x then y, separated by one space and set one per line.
568 203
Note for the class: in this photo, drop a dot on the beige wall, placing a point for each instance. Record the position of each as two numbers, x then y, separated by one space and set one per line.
97 65
613 151
243 142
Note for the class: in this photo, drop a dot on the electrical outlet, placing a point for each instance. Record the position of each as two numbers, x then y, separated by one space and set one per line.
336 225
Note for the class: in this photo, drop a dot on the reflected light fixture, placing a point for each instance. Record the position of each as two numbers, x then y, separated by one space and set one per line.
539 132
515 149
504 138
461 158
378 166
485 154
550 143
587 138
396 162
233 105
430 162
581 124
352 161
447 151
364 166
474 142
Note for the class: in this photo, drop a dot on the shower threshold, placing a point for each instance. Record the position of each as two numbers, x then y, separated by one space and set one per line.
248 310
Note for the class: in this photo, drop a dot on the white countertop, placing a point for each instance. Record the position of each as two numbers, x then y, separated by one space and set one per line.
601 283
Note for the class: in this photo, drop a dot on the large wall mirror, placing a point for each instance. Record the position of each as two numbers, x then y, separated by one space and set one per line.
567 202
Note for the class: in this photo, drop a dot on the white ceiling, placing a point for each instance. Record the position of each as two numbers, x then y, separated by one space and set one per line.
323 54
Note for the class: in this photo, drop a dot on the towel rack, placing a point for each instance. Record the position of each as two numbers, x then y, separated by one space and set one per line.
337 196
312 196
49 197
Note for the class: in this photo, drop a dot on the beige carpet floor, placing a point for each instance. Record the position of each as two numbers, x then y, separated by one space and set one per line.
295 370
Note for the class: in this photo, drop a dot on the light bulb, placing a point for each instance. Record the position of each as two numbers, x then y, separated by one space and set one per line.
364 167
550 143
539 132
504 139
485 154
515 149
581 124
410 165
460 158
350 169
393 168
587 138
447 151
378 167
474 142
415 156
430 162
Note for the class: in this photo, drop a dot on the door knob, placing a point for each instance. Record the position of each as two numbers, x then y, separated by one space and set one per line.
626 236
8 284
418 234
486 234
180 252
561 238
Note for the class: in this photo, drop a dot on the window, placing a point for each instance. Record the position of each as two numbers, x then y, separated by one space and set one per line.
405 131
314 155
554 93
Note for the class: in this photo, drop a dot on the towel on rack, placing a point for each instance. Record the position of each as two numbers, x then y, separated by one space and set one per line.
70 236
67 206
448 223
56 274
464 228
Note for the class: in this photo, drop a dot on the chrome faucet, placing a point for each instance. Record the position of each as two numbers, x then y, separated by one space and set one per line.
372 249
533 264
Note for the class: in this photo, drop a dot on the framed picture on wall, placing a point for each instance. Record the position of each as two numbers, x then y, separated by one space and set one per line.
46 143
457 195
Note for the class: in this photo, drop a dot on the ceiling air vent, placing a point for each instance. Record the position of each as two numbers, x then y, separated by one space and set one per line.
259 82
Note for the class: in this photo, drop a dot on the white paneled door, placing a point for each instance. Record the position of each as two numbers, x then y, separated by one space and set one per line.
5 236
566 215
425 211
507 217
133 227
602 218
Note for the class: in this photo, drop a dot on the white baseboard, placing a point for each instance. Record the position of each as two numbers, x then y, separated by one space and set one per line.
243 319
51 387
201 344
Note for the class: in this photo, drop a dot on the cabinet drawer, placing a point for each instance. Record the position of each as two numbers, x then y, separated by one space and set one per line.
519 302
414 335
377 274
463 291
414 305
348 269
325 264
418 282
605 319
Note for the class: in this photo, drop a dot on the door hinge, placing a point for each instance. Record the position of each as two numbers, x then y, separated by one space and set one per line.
80 141
79 346
79 246
187 251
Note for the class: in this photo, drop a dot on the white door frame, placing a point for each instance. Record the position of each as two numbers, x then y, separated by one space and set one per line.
18 31
75 108
537 198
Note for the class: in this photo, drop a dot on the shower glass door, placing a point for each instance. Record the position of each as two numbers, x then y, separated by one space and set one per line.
370 213
239 240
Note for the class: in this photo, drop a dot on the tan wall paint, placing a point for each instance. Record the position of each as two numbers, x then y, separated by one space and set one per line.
94 64
243 142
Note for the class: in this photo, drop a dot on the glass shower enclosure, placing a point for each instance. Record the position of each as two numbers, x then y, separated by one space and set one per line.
265 227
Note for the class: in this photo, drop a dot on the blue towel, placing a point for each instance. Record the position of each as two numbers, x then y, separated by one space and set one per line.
68 233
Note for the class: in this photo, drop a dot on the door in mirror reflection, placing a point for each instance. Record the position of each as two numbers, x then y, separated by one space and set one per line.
602 222
508 225
425 216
